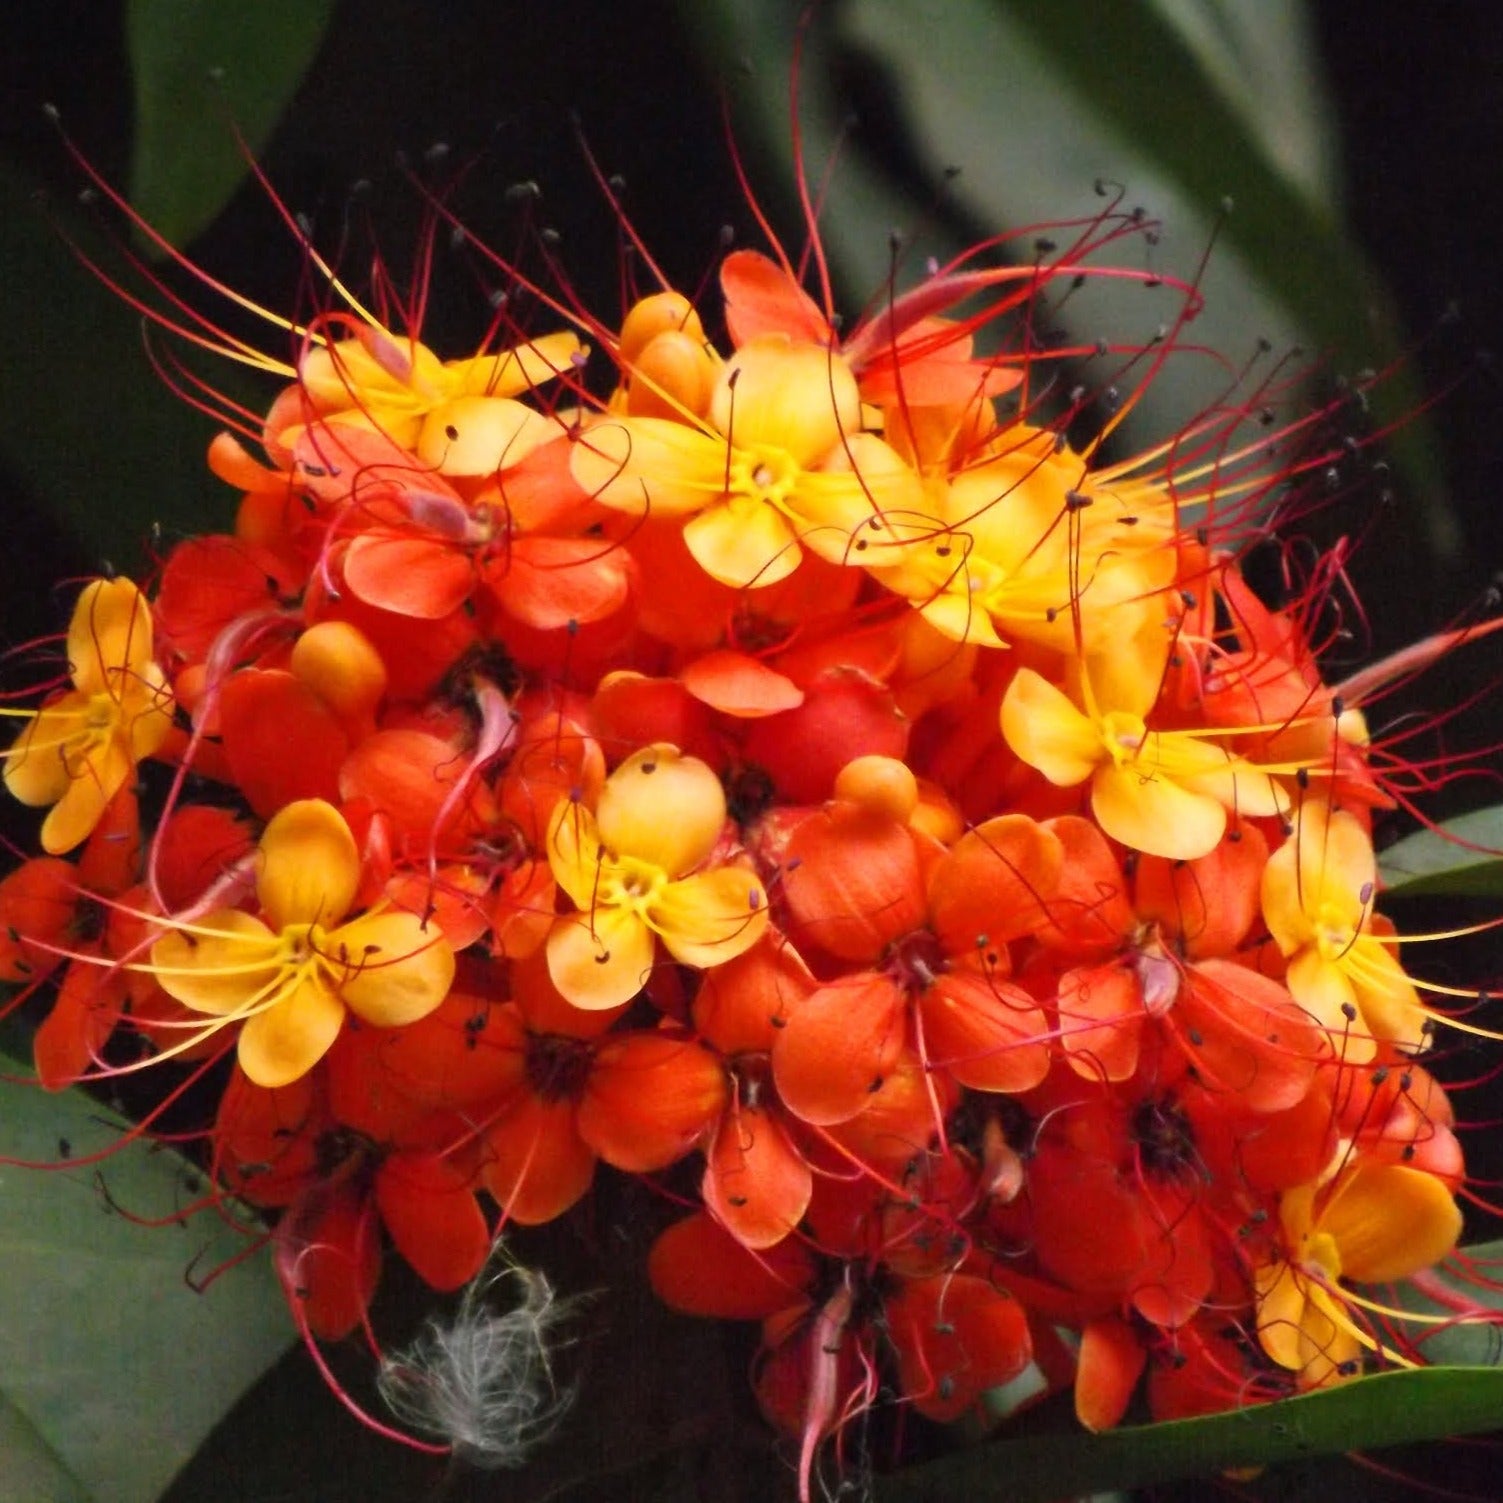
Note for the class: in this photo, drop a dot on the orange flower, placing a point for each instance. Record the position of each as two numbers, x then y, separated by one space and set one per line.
289 978
80 749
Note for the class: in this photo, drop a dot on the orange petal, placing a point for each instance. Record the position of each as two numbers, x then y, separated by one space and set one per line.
994 883
756 1182
429 1208
650 1098
1111 1362
1101 1020
408 573
989 1035
536 1165
763 298
955 1337
739 685
837 1048
697 1267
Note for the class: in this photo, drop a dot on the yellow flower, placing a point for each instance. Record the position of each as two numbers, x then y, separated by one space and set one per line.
780 464
402 389
1372 1224
1318 890
1165 793
80 749
289 976
1026 543
624 867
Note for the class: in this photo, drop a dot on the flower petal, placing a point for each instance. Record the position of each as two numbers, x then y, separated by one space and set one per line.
600 959
309 867
287 1039
397 967
1150 813
1045 730
711 917
228 961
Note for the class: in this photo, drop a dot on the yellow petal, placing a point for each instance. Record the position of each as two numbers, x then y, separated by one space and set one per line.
228 962
1323 989
1046 731
286 1041
511 372
1281 1314
801 398
1390 1006
711 917
1155 815
146 709
1389 1221
473 436
402 967
650 466
94 778
601 963
1285 909
35 771
744 542
576 855
309 866
662 808
110 629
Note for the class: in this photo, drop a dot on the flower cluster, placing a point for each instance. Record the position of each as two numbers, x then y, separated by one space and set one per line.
811 776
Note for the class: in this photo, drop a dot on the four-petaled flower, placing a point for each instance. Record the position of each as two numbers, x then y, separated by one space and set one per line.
289 976
81 748
629 868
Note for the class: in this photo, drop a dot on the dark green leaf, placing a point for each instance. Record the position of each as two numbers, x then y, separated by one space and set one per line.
30 1470
1385 1409
198 66
84 425
1461 858
106 1352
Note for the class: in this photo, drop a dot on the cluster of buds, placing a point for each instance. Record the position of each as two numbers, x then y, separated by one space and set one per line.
810 777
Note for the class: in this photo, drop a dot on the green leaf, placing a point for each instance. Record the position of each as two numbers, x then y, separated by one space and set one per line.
1461 858
199 66
30 1470
1385 1409
112 1368
1456 1337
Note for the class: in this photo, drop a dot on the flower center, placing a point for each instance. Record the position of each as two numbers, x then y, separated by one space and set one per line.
765 474
917 960
557 1066
630 883
1123 735
1334 934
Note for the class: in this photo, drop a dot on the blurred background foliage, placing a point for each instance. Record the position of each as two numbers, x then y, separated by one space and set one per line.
1358 140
